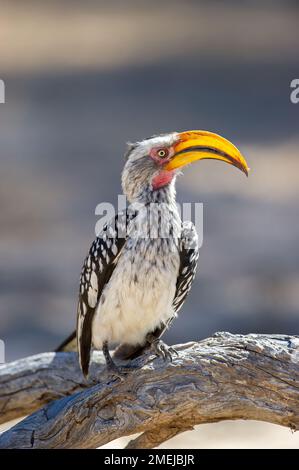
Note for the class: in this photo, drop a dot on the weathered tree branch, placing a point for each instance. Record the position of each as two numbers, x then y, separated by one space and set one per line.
27 384
223 377
156 436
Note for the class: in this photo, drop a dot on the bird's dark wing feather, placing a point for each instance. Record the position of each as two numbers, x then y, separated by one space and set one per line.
96 273
189 252
69 344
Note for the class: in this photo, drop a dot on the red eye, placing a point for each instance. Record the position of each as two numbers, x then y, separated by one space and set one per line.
162 153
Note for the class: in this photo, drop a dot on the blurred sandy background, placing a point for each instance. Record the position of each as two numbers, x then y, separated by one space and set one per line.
82 78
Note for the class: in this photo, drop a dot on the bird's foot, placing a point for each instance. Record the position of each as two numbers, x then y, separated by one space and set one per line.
113 369
161 349
119 372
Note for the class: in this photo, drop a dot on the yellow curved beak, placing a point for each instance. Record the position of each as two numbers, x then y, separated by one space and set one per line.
199 145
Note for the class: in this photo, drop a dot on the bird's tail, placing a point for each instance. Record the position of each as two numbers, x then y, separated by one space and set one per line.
69 344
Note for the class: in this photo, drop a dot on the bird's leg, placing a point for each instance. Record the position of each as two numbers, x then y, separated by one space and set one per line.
109 361
160 348
111 366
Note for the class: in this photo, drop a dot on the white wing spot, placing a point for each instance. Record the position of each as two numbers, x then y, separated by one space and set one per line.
94 281
92 297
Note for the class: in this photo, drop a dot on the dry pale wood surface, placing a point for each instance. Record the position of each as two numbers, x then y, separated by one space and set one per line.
223 377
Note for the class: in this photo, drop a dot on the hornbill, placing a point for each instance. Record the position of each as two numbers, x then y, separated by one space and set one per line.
133 283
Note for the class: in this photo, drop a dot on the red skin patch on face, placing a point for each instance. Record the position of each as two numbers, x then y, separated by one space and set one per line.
162 179
154 154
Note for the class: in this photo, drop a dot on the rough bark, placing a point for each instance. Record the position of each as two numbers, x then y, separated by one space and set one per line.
223 377
28 384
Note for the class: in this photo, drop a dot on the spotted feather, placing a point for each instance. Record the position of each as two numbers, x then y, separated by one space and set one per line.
97 270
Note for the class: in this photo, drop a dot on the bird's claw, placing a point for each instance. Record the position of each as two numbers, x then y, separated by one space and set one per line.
162 350
119 372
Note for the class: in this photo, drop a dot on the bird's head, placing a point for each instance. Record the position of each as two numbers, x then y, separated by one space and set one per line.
153 163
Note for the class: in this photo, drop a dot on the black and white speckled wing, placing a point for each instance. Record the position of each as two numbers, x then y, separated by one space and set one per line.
96 273
189 252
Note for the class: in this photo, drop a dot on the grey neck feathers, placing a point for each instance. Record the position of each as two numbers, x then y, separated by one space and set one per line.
165 195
